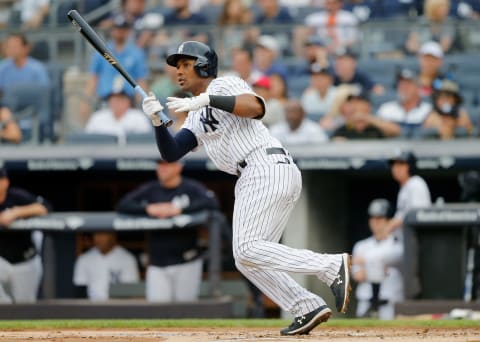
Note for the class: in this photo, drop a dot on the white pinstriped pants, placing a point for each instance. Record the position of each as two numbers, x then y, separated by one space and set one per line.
265 195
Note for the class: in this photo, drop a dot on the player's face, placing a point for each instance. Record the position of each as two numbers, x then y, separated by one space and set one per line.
377 226
104 241
400 171
169 173
187 77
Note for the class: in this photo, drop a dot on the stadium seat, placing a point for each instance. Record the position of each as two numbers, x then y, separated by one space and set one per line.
82 138
31 106
146 138
297 84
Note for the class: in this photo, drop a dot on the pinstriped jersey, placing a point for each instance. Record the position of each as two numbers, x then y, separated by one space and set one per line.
228 139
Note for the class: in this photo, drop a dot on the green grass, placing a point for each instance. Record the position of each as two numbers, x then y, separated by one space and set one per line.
225 323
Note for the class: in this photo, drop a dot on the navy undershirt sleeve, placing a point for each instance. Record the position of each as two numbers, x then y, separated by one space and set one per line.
173 148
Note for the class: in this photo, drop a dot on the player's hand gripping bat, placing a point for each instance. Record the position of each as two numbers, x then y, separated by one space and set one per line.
94 39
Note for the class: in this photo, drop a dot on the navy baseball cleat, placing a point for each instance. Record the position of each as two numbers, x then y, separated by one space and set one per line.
302 325
341 285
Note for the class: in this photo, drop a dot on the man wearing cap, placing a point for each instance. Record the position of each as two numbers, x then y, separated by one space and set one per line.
274 111
103 77
318 98
175 265
347 72
447 115
430 60
375 266
296 129
119 117
266 57
408 112
414 191
20 265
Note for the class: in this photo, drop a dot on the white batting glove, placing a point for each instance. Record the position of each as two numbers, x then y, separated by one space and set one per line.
188 103
151 106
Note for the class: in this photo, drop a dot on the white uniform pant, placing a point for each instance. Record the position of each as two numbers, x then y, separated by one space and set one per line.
21 279
265 195
175 283
385 311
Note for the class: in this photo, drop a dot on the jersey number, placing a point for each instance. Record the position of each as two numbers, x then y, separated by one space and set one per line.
208 120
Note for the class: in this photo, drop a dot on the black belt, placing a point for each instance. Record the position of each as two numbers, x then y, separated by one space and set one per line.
268 151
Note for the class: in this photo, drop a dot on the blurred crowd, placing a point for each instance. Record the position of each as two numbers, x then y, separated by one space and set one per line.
303 57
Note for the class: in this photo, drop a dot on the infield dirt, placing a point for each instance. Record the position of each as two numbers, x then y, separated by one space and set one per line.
335 334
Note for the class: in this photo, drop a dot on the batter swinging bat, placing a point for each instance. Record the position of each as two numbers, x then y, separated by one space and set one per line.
94 39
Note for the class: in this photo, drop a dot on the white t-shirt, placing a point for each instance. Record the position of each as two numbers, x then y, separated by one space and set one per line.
345 30
316 106
382 261
413 194
97 271
308 132
103 122
228 138
393 111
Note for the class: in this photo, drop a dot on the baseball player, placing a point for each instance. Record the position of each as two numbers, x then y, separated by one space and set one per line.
20 264
413 193
375 266
224 117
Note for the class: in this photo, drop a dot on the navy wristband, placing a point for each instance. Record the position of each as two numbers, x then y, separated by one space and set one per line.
226 103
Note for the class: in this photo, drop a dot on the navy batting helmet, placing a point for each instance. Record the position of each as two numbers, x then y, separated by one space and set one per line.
407 157
379 207
206 59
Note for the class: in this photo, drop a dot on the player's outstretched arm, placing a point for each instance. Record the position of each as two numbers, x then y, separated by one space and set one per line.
171 148
244 105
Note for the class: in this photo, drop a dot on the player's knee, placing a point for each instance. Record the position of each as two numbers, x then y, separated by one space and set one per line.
246 254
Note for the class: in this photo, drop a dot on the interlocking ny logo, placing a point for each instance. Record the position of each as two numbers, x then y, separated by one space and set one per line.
208 120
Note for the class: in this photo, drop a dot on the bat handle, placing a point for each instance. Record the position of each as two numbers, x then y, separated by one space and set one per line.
165 119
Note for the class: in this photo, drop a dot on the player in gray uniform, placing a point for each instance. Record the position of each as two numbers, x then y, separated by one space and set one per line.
224 117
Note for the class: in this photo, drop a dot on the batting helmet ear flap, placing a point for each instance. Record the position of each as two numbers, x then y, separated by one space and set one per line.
201 67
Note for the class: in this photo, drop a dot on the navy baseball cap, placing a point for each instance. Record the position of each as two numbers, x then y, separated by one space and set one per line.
121 21
379 207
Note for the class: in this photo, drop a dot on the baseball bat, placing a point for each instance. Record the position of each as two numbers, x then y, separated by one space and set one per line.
98 44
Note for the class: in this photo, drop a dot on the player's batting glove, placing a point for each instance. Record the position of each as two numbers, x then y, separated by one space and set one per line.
151 106
188 103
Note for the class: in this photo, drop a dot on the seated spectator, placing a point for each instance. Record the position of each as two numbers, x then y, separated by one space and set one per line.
340 109
266 57
181 17
361 124
242 65
18 67
336 26
376 263
274 111
102 77
347 72
435 25
296 129
174 272
430 60
118 118
33 14
271 12
315 52
20 263
447 114
9 130
278 88
318 98
409 111
233 21
104 264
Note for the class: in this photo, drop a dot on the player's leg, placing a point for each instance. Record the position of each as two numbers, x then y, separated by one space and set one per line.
158 285
25 280
263 205
187 279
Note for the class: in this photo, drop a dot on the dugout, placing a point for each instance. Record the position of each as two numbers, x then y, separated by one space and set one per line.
339 181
